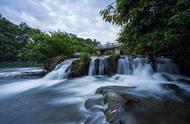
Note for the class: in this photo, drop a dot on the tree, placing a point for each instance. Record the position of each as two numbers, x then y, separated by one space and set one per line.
152 26
46 46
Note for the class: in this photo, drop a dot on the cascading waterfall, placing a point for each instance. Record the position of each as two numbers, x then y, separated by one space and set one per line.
141 67
103 65
60 71
92 67
123 66
128 65
98 66
166 65
136 66
73 101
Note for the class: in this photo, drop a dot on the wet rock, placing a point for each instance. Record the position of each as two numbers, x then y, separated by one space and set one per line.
97 66
52 62
127 106
173 87
167 76
95 104
185 81
112 64
76 71
117 97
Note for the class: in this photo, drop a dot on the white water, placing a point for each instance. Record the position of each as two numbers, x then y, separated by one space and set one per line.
103 65
137 73
58 75
92 68
60 71
13 72
123 66
167 65
74 92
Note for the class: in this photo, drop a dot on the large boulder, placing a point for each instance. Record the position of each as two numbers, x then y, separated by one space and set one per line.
126 105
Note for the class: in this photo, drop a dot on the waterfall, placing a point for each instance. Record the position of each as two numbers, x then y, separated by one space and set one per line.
166 65
141 67
92 68
103 65
123 66
128 65
60 71
98 66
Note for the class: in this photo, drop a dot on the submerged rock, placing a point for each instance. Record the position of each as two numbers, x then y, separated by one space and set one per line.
173 87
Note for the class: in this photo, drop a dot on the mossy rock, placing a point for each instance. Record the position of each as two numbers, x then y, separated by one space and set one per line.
112 62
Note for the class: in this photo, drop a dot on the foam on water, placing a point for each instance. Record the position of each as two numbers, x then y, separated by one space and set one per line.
74 92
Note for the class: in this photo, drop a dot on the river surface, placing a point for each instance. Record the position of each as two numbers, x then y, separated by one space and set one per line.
62 101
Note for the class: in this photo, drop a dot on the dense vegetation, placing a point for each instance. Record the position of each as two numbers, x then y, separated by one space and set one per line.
153 27
13 38
21 42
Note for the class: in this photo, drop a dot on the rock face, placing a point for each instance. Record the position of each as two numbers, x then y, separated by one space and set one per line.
112 64
50 65
128 106
76 71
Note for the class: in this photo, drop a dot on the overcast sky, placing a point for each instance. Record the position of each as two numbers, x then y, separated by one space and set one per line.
80 17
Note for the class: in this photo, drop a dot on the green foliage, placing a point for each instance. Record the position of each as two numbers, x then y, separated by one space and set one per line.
47 46
13 38
84 45
151 26
84 61
114 57
149 23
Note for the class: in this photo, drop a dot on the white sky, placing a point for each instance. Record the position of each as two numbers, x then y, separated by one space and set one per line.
80 17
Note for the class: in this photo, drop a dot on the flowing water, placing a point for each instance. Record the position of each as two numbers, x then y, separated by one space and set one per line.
55 99
92 68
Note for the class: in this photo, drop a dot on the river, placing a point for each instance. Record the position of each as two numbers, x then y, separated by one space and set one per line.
55 99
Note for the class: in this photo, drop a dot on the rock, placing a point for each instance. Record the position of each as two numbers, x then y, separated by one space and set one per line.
74 70
173 87
167 76
112 64
97 66
185 81
92 103
116 98
77 71
127 106
52 62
